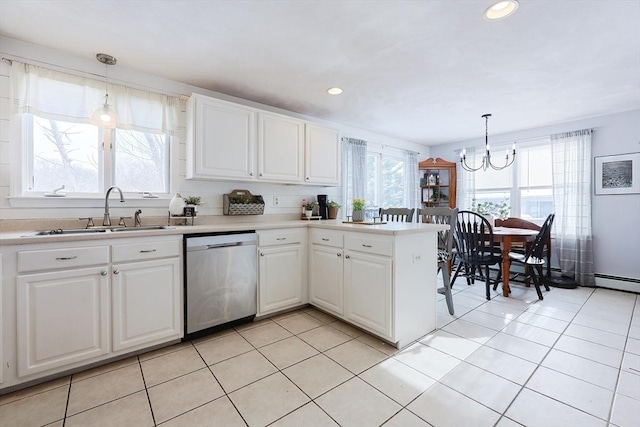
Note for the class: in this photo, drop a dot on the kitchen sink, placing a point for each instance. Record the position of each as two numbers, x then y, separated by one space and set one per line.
60 232
149 227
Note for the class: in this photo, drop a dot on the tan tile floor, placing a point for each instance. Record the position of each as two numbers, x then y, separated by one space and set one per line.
570 360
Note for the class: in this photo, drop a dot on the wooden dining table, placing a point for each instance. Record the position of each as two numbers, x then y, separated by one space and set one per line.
506 236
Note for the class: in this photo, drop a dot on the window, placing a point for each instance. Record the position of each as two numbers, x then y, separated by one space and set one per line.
385 181
62 147
87 159
526 186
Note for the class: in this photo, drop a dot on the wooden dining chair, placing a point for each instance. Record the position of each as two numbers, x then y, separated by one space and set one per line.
522 246
473 238
396 214
534 257
446 216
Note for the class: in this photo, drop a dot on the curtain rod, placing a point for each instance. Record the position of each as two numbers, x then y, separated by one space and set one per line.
88 73
532 138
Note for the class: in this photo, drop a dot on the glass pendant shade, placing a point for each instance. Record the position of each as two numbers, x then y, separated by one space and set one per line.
105 116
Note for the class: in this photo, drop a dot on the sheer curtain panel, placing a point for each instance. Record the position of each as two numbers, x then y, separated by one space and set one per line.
56 95
571 158
411 194
355 170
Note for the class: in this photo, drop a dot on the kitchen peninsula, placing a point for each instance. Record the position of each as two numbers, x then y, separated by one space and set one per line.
380 278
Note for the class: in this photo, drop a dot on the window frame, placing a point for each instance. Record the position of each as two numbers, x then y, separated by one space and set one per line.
516 189
107 151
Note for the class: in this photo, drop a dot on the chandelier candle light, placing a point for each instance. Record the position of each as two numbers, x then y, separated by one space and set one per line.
486 159
105 116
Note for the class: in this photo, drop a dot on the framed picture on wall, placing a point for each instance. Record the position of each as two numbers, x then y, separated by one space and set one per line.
619 174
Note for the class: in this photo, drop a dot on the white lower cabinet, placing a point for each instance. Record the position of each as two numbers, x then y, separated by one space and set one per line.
77 303
63 318
384 284
146 302
326 279
282 270
368 291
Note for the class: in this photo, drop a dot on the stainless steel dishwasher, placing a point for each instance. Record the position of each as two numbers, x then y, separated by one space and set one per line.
220 280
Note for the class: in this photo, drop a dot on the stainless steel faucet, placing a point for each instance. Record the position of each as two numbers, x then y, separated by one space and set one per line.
107 220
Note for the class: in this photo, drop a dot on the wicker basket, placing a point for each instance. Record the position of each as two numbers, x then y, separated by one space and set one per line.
242 202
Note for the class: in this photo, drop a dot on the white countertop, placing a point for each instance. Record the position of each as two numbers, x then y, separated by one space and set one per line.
391 228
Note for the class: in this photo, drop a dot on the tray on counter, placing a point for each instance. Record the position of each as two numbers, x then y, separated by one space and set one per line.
365 222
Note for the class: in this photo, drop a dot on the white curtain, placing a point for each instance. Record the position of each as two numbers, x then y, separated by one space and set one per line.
47 94
571 159
466 182
355 170
411 184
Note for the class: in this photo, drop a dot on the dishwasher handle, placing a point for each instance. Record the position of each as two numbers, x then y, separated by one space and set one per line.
224 245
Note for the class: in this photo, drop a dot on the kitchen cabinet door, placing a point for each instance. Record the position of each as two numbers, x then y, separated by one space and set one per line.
326 278
280 277
280 148
146 303
62 318
221 140
368 292
322 155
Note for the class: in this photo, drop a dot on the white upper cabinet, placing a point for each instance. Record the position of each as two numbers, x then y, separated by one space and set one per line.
228 141
221 140
322 155
280 148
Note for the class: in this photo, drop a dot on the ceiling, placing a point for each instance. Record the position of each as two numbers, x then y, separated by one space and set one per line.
422 71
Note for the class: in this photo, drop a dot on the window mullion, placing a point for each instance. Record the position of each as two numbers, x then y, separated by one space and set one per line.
107 159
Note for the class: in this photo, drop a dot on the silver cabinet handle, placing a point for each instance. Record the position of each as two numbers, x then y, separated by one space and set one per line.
146 251
339 254
324 239
103 273
261 253
260 174
116 271
307 178
281 238
347 257
367 246
250 173
66 258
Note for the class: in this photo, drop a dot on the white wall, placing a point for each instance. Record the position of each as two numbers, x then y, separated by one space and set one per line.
290 196
615 218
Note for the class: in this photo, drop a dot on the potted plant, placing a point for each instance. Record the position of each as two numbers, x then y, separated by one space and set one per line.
192 203
358 210
332 209
308 209
491 210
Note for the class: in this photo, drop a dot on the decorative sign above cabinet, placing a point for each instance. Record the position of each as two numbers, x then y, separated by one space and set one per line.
228 141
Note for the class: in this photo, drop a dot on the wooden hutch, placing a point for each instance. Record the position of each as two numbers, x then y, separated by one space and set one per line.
437 183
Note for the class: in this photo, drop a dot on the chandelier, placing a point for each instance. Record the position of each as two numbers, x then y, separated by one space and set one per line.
486 159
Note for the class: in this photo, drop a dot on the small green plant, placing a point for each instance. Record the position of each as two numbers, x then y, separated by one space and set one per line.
332 204
309 206
192 200
497 210
358 204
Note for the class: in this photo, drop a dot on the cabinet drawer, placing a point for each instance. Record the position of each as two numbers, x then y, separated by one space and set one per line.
281 237
380 245
50 259
146 250
327 238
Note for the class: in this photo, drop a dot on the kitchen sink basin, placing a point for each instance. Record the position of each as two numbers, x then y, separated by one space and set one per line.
60 232
150 227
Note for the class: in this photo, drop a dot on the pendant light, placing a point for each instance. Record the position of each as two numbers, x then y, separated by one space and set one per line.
486 159
105 116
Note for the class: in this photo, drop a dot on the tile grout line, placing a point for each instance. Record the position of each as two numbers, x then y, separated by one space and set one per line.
146 391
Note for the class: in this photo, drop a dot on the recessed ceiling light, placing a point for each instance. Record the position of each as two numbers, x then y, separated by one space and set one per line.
334 91
501 9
